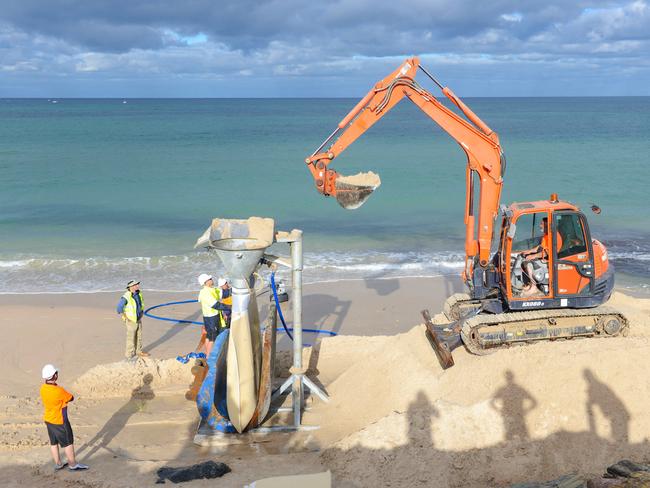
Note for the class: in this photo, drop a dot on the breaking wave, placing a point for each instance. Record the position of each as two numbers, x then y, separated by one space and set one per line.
179 272
34 274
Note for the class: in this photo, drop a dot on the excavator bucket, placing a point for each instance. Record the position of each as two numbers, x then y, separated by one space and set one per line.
353 191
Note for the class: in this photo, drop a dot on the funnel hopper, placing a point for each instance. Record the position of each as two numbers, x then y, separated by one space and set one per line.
240 244
240 256
353 191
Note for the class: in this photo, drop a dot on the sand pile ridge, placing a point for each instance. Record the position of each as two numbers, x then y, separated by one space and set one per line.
122 378
532 412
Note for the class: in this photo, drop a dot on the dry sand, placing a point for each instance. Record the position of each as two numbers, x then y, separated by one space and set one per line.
361 179
395 418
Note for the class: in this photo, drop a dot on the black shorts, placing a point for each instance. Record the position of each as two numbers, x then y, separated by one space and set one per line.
212 327
60 434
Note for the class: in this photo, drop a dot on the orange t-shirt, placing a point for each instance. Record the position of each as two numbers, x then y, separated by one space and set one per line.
55 399
546 245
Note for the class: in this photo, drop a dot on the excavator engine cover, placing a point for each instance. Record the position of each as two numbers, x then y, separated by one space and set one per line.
353 191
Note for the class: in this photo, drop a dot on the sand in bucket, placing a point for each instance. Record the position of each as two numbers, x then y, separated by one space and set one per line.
353 191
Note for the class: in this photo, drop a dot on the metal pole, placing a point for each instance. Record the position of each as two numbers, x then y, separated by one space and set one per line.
431 76
325 142
297 391
273 317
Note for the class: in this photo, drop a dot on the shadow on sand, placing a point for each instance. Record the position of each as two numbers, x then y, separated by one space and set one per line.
518 458
137 403
408 448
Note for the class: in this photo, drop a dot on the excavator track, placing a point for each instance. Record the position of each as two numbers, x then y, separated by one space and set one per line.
485 333
459 305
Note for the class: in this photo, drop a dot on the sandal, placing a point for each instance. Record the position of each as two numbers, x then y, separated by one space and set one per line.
58 467
77 467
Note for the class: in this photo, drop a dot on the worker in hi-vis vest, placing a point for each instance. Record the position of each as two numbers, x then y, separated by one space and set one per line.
131 309
212 307
225 294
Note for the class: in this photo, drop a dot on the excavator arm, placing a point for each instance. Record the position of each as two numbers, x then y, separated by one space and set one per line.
485 159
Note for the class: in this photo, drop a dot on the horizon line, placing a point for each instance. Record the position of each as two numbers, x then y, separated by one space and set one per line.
305 98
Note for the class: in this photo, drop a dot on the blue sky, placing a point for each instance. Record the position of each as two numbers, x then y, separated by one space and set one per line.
287 48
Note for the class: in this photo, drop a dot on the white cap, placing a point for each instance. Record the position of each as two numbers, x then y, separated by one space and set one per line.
203 278
48 371
221 281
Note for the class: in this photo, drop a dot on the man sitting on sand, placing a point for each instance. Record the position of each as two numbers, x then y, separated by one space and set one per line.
211 308
55 400
131 309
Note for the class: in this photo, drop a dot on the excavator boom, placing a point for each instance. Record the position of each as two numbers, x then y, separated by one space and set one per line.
485 160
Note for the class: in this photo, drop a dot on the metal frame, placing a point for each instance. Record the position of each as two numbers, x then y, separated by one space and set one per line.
298 380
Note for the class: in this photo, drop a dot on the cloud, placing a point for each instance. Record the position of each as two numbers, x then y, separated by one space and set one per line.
343 44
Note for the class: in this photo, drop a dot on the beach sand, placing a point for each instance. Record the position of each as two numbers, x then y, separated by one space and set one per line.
395 417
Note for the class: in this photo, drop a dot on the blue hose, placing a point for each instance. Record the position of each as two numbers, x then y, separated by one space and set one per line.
192 355
277 304
176 321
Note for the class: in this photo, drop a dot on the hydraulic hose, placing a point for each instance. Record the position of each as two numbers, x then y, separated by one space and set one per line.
277 305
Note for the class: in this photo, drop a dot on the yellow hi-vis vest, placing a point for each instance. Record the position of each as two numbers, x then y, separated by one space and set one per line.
131 307
207 298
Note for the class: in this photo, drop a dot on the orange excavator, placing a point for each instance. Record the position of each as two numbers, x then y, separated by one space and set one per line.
548 278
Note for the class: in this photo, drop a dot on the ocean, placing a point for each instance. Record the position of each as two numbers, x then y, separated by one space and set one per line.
97 192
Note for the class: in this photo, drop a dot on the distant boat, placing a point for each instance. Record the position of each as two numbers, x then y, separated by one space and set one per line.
123 101
55 101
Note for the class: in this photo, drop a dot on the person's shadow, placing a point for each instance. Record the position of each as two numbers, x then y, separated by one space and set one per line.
139 398
601 396
420 415
513 403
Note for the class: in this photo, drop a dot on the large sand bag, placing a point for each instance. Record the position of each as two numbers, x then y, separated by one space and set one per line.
266 375
241 388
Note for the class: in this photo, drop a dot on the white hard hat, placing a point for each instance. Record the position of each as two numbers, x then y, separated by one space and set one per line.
203 278
48 371
221 281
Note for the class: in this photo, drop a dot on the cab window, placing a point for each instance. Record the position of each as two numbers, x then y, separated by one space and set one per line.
572 236
528 234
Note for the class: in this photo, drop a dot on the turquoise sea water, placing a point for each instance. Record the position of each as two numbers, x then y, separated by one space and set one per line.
94 192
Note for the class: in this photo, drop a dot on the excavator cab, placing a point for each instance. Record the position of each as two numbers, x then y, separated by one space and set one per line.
547 258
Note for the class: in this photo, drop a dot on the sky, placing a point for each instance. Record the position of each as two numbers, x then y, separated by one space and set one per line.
292 48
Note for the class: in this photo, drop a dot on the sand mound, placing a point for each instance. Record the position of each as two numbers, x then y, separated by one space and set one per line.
123 378
533 412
